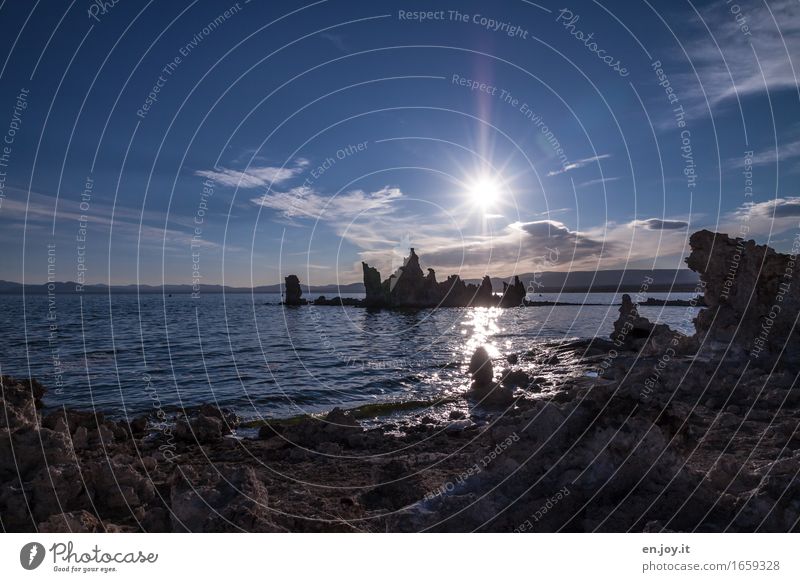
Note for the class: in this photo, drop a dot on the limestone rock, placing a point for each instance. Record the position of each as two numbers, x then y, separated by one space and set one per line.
752 297
293 291
219 499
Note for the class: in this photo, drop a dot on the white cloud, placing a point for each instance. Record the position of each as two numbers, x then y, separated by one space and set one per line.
579 164
782 153
254 176
660 224
749 63
304 202
778 208
597 181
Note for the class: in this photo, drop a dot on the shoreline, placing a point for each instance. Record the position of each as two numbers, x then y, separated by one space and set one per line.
647 431
427 470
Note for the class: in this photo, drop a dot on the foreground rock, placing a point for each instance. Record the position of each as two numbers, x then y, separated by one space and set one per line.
753 298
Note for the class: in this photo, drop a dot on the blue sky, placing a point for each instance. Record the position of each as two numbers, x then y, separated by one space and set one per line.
240 142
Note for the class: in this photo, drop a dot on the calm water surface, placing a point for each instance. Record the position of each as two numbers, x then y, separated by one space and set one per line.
121 354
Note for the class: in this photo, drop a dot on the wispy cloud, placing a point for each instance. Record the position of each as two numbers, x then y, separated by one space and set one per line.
597 181
744 62
254 176
778 208
660 224
304 202
781 153
579 164
336 40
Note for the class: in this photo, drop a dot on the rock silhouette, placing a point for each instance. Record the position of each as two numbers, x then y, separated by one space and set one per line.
293 291
410 287
513 295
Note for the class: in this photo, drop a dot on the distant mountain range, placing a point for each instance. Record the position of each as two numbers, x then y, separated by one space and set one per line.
630 281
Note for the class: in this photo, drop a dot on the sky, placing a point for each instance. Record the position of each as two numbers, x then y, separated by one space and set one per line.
236 143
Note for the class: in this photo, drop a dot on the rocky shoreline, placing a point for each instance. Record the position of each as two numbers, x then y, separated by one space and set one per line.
649 430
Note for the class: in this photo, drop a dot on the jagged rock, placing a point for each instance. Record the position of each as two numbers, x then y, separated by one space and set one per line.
201 429
372 284
396 487
513 295
19 402
752 297
485 297
219 499
454 292
634 332
512 378
73 522
409 287
338 427
293 291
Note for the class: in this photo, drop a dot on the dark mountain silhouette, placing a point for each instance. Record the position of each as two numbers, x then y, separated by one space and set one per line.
546 282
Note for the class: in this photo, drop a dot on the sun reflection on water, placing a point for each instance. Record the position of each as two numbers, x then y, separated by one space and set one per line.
479 329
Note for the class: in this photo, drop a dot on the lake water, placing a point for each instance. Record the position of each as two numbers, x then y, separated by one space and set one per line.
122 354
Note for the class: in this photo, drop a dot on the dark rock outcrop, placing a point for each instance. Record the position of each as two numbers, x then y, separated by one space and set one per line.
372 283
409 287
514 294
634 332
293 292
753 297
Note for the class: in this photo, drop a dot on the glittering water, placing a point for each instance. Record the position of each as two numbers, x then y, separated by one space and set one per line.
128 353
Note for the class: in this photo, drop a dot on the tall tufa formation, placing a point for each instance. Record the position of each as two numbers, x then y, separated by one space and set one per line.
376 297
753 298
513 295
410 287
293 292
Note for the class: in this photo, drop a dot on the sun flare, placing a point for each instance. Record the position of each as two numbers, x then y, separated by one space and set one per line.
485 192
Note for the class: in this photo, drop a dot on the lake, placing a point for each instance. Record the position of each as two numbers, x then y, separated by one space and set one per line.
123 354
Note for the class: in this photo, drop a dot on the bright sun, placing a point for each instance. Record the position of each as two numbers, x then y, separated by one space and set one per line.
485 192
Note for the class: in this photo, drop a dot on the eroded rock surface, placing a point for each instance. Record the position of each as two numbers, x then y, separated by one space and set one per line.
753 297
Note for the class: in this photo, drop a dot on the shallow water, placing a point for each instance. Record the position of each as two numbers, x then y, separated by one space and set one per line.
129 354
